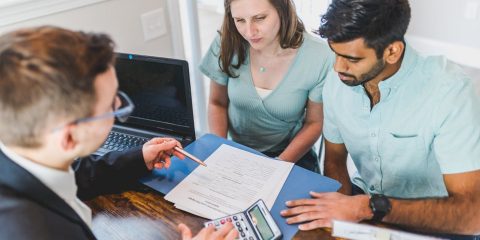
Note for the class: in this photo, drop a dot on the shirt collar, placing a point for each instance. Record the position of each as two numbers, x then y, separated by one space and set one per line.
409 60
61 182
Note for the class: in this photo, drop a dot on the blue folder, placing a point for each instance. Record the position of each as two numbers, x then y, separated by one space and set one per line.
298 184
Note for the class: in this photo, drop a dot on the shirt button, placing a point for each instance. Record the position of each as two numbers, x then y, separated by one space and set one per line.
377 159
373 134
372 188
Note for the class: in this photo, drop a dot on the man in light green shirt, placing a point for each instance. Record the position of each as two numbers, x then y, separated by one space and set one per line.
410 123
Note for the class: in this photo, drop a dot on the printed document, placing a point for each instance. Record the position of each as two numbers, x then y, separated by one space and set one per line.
232 181
358 231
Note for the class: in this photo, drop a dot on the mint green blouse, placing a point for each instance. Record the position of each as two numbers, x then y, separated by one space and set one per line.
269 124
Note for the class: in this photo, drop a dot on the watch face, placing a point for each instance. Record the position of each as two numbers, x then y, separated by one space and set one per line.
380 206
381 203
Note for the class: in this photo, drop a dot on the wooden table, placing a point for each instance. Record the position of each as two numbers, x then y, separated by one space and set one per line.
144 214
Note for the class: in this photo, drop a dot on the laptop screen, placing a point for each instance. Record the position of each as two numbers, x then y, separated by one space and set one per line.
160 90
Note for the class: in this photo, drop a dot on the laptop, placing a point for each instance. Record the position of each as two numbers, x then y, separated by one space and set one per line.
160 90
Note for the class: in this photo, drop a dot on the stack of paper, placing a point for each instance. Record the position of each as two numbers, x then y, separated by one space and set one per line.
232 181
358 231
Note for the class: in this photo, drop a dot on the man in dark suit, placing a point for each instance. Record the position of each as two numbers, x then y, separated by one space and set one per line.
58 99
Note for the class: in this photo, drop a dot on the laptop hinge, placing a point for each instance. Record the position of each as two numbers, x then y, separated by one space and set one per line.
187 139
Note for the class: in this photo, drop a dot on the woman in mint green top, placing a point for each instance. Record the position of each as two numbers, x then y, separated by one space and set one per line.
266 91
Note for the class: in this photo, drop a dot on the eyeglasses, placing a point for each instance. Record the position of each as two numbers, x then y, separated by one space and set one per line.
122 107
121 112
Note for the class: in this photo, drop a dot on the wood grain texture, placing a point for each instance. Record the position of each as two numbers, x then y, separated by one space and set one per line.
146 215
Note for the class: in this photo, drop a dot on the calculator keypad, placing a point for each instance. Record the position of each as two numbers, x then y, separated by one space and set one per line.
238 220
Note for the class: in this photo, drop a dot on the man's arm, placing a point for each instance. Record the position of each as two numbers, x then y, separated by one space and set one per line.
335 165
456 149
113 172
458 213
117 171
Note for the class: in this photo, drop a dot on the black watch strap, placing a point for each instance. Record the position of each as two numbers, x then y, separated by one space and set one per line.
380 206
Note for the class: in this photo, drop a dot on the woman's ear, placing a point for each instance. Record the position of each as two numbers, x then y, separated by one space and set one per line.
393 53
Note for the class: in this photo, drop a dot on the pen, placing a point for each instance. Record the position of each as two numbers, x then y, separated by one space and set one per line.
190 156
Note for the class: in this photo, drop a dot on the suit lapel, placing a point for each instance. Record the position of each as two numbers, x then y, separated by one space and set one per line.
20 180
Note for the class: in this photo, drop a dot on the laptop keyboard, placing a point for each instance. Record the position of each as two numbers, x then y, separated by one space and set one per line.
120 141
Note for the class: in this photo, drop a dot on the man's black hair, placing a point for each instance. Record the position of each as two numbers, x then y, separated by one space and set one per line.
378 22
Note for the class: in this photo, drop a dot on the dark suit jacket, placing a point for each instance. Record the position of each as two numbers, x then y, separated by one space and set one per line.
30 210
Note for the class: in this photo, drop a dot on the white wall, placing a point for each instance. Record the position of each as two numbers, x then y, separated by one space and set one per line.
441 27
119 18
445 20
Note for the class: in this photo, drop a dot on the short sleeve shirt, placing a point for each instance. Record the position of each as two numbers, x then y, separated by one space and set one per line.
269 124
426 124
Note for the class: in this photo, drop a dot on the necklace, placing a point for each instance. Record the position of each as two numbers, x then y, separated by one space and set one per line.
262 69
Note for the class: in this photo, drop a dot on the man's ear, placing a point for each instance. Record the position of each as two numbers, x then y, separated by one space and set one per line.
393 53
68 140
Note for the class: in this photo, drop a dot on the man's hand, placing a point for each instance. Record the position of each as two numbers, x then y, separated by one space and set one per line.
226 232
158 151
322 208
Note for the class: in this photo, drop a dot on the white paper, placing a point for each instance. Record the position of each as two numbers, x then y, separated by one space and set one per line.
186 209
358 231
232 181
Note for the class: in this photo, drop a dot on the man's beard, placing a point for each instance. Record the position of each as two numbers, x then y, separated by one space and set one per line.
374 71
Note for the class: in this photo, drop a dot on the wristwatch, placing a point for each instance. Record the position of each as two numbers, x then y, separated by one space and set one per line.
380 206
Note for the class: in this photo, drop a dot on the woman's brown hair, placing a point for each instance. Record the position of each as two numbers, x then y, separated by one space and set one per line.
233 44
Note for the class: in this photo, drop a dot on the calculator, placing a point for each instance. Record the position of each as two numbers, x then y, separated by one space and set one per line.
255 223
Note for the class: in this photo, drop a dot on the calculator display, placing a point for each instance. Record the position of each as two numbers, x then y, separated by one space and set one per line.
258 219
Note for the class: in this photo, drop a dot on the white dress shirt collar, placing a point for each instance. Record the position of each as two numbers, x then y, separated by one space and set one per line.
60 182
